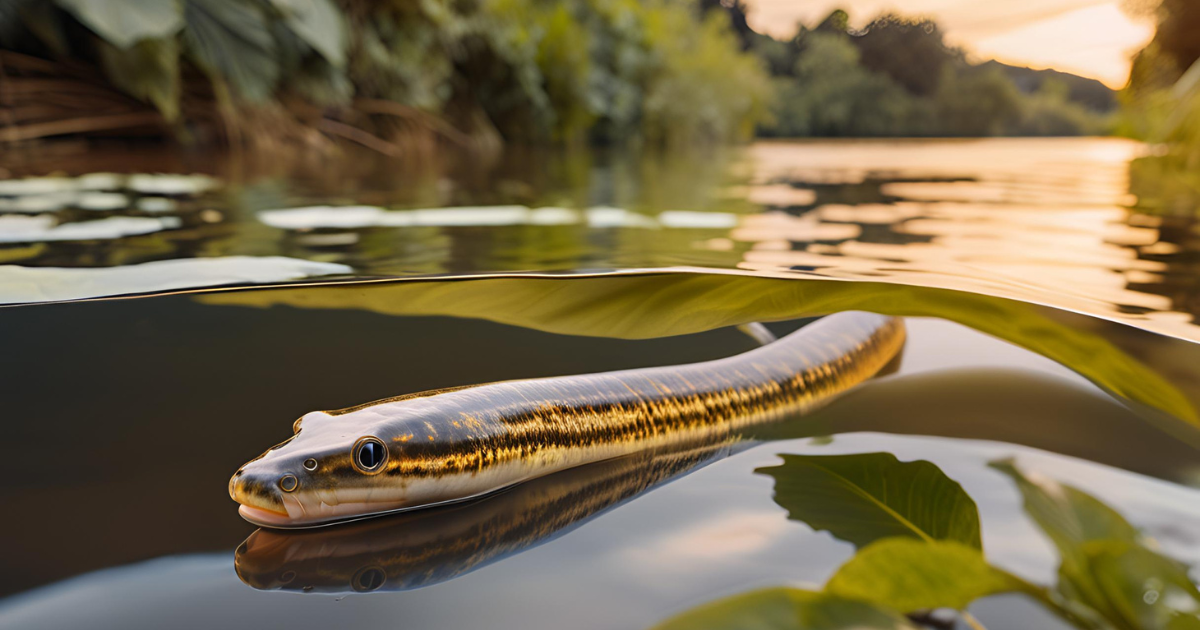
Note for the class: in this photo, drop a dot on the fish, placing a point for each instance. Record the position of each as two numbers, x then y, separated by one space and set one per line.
443 446
425 547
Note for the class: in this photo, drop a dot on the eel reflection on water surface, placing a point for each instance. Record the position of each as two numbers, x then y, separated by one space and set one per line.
448 445
427 547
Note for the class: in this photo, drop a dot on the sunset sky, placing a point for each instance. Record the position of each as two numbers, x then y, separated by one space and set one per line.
1089 37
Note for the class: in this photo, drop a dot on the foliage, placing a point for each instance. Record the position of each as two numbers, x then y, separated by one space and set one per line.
1108 579
865 498
1049 111
908 575
909 50
831 94
1162 104
645 305
579 70
898 77
784 608
1106 570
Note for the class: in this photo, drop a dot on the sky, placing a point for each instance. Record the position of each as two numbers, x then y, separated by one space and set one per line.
1093 38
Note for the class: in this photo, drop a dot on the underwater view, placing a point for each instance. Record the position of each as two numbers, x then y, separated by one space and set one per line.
600 314
1023 444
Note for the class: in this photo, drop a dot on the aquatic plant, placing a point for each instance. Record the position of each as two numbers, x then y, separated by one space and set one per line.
917 537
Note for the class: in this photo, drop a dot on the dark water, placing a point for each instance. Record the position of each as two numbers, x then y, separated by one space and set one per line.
1047 324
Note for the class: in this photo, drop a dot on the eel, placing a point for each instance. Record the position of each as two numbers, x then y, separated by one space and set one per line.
443 446
426 547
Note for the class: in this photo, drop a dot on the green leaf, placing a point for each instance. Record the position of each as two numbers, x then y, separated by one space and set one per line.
148 71
1184 622
1129 585
1067 515
655 304
1104 566
909 575
319 23
866 497
123 23
783 608
230 41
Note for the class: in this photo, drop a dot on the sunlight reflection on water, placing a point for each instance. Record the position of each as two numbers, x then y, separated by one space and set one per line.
1042 220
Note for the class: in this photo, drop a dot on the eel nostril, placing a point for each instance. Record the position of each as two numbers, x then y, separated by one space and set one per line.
288 483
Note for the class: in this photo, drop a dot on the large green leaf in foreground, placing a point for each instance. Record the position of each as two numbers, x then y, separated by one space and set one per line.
866 497
644 305
786 609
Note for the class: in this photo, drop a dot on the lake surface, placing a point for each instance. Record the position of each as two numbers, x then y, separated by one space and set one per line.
1050 321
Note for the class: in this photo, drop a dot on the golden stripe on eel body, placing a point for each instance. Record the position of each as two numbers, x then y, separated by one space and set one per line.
448 445
425 547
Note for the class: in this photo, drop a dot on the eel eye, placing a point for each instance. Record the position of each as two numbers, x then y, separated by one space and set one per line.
310 464
369 455
288 483
368 579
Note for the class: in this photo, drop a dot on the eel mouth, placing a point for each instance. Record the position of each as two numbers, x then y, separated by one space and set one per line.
266 518
322 516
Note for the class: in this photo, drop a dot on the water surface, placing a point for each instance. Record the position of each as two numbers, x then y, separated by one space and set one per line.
1051 321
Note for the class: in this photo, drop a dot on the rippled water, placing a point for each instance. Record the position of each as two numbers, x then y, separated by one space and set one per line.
1050 321
1044 220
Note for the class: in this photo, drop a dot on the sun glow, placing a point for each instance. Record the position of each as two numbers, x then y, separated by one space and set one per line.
1093 38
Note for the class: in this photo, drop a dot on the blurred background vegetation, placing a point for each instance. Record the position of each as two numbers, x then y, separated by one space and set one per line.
1161 104
401 75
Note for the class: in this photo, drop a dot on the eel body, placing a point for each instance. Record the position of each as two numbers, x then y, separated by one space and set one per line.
426 547
449 445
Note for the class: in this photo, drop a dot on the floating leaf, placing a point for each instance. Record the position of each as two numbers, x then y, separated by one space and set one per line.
124 23
231 42
866 497
149 70
908 575
319 23
784 608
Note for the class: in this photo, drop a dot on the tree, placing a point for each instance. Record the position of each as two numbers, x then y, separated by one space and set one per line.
909 50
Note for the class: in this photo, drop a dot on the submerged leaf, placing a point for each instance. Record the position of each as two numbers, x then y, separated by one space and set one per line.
866 497
124 23
783 609
909 575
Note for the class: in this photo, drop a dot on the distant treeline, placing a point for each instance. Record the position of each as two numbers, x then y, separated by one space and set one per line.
897 77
